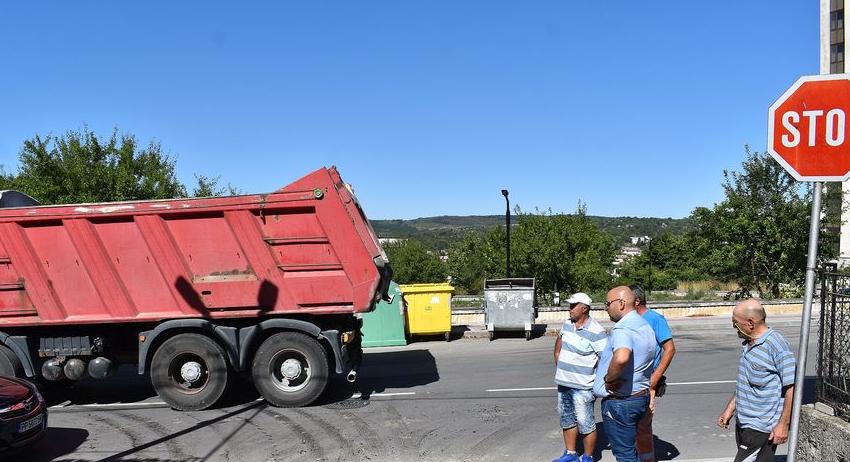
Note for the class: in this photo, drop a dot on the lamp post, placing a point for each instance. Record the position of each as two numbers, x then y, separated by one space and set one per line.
649 257
508 230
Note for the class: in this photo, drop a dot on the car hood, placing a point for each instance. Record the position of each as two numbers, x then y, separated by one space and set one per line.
12 391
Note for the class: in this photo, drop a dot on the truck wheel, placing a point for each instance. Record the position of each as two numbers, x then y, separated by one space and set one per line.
290 369
189 372
10 365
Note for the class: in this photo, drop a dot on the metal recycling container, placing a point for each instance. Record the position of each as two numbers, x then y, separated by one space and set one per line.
509 304
385 325
429 308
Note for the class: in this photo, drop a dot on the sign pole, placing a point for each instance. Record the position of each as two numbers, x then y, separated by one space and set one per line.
802 351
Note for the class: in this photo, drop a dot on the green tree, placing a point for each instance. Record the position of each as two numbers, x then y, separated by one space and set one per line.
673 257
413 263
562 252
80 167
208 186
755 236
476 257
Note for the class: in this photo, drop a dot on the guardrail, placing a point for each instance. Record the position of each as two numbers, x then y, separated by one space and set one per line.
661 306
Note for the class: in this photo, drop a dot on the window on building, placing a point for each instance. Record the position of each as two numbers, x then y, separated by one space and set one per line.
836 20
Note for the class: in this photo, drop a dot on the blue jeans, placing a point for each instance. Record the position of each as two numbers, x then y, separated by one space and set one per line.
576 409
620 418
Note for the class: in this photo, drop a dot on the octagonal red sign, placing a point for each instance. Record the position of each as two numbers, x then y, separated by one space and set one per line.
808 128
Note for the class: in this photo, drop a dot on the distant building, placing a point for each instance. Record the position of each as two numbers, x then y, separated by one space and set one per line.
390 240
627 252
636 240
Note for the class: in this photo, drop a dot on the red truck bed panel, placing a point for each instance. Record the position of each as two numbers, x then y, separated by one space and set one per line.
306 248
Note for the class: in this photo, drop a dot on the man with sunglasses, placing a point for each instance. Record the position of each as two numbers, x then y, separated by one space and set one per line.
622 378
577 351
765 386
665 349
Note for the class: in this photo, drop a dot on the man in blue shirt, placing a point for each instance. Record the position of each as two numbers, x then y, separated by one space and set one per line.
765 386
665 349
622 377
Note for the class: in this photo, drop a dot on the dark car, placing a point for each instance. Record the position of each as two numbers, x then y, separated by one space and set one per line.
23 413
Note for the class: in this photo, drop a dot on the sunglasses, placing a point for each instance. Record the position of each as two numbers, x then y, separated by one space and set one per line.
608 304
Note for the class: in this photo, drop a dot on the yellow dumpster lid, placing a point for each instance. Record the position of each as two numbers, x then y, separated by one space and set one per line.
425 288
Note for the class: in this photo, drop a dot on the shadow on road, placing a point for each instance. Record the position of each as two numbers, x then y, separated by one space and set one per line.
384 370
664 450
810 392
55 443
396 369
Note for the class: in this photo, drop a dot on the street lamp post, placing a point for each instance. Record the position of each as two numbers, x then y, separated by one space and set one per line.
649 257
508 230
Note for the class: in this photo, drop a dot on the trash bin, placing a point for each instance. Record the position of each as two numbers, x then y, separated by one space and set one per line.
385 325
429 309
509 304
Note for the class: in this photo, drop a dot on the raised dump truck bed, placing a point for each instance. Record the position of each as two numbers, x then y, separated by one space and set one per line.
87 285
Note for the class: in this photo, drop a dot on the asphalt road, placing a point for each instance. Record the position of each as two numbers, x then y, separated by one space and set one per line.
465 400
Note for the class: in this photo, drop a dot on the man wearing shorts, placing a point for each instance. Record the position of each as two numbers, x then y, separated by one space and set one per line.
577 350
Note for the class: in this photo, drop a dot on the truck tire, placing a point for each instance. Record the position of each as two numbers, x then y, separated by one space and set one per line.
290 369
10 365
189 372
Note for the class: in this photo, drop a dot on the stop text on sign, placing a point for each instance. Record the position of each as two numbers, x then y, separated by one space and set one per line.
808 128
833 127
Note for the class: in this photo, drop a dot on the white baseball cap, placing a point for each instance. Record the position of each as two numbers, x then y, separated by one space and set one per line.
579 297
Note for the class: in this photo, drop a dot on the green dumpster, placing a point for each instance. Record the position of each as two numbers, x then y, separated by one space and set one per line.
385 325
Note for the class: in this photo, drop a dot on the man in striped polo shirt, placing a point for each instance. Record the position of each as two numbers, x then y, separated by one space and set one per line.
577 350
765 387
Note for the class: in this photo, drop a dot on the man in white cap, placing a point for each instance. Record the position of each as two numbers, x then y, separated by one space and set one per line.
577 351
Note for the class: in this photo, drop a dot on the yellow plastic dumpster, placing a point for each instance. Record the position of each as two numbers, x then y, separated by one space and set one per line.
429 308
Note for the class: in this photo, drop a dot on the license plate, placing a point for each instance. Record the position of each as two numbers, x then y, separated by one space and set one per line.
28 425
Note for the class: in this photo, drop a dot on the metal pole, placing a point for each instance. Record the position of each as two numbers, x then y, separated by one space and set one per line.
649 252
802 351
508 229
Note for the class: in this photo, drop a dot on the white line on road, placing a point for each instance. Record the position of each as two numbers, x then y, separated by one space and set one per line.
498 390
702 383
110 405
502 390
384 395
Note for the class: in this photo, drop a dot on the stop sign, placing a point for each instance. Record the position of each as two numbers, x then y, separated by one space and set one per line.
807 128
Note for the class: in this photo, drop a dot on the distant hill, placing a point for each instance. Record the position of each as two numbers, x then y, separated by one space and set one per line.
439 232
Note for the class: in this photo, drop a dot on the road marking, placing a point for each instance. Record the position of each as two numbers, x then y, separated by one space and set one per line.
702 383
502 390
499 390
383 395
109 405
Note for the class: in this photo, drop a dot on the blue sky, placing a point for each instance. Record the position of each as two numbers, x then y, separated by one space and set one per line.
427 108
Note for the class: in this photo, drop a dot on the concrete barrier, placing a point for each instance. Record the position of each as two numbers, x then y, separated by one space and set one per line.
822 436
670 310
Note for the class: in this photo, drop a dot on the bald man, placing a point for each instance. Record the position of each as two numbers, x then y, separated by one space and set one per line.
765 391
623 373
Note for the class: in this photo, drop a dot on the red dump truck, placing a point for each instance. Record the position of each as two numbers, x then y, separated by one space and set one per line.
194 291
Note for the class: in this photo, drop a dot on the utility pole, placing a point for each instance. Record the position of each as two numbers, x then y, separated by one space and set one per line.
648 287
508 230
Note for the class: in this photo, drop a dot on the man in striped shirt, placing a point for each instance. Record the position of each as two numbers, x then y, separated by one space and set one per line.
765 387
577 350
